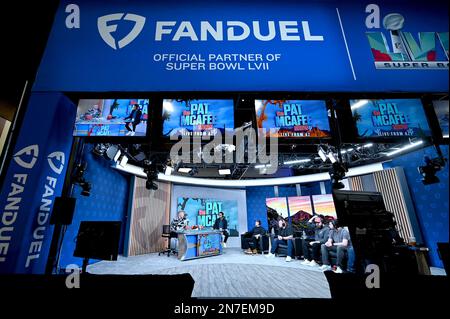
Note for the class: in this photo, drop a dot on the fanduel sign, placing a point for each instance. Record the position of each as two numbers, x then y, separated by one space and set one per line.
235 31
228 46
207 31
33 179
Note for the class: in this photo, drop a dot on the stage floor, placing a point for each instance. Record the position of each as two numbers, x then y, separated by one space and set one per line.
230 275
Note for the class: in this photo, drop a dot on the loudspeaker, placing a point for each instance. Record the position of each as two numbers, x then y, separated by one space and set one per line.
63 210
98 240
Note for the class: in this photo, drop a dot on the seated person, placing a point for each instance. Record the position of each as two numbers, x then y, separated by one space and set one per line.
285 236
321 234
222 225
255 234
178 223
338 241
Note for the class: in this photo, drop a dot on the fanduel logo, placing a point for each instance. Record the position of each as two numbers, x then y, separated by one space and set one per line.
56 161
32 150
106 29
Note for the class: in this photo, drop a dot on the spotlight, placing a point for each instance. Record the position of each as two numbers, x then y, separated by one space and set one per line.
429 170
331 157
78 179
86 188
151 185
225 171
168 171
123 161
100 149
113 153
337 173
193 172
322 154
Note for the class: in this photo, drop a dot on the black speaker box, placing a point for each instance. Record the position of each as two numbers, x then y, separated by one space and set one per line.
63 210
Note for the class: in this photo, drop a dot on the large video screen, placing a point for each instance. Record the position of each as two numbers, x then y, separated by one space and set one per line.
292 118
441 108
115 117
197 117
204 212
390 118
324 205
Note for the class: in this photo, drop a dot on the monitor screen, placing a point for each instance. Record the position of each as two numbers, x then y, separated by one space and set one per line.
115 117
292 118
441 109
197 117
390 118
324 205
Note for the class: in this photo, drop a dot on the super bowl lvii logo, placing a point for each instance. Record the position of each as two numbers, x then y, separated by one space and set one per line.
407 53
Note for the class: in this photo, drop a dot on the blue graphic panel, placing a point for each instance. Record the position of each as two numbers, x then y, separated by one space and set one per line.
390 118
197 117
293 118
240 46
209 244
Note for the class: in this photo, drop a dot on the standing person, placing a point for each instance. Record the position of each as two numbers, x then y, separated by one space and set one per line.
222 225
338 241
256 234
285 235
135 117
321 235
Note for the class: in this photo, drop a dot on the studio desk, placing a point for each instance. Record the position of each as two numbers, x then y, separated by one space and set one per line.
194 244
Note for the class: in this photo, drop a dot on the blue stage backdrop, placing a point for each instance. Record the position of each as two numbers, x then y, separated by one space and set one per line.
108 202
224 45
35 176
430 202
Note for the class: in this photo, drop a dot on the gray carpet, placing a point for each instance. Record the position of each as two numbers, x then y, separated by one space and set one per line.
231 275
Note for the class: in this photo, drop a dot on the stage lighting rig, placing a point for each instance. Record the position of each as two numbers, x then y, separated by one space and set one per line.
78 179
429 170
337 173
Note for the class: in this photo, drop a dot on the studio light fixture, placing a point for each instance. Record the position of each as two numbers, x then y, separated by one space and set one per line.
184 170
298 161
332 157
429 170
168 171
123 160
78 179
322 154
261 166
337 173
404 148
224 171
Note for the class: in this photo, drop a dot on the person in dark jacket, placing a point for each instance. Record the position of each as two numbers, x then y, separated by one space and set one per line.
284 236
254 240
222 225
135 117
321 235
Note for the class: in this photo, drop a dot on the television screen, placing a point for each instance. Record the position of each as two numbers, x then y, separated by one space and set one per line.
114 117
390 118
441 109
292 118
197 117
204 212
324 205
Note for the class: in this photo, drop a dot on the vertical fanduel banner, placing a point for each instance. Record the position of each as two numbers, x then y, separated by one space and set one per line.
34 178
